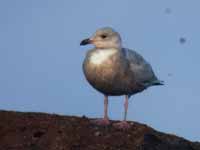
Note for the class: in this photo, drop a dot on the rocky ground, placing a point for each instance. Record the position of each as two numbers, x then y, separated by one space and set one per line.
39 131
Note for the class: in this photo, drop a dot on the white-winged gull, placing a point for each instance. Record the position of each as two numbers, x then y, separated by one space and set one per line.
114 70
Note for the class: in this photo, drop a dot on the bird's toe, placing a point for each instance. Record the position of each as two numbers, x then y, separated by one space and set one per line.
101 122
123 125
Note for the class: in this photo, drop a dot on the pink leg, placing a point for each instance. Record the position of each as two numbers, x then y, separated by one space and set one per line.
125 107
105 121
124 124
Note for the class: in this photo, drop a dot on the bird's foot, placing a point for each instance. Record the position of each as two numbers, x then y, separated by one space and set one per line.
101 122
122 125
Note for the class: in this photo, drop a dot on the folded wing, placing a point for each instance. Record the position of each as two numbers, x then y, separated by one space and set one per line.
141 69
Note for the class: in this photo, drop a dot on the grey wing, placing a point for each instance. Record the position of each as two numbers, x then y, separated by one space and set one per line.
141 69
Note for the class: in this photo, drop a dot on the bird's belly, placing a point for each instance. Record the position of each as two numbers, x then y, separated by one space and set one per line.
105 77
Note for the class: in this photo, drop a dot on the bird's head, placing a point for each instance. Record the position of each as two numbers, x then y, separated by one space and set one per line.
104 38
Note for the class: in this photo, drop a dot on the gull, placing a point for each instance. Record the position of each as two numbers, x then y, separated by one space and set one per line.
114 70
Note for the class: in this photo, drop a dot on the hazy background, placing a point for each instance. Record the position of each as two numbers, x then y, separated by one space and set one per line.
41 60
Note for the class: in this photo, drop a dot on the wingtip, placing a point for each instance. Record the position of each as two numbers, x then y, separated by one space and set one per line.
162 82
158 82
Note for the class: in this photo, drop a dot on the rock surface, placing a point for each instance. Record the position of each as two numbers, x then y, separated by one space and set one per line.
39 131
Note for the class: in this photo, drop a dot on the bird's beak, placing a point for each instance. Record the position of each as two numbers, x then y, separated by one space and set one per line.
86 41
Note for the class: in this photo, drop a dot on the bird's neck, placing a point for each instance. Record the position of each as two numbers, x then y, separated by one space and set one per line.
110 45
101 55
109 48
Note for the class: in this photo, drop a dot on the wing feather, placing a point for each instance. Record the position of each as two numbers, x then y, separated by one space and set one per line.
141 69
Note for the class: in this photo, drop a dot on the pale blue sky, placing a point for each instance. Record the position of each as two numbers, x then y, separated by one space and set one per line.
41 60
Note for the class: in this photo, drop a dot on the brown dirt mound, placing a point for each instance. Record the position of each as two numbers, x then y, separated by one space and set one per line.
39 131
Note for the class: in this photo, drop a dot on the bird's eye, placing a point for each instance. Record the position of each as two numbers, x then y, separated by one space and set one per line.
103 36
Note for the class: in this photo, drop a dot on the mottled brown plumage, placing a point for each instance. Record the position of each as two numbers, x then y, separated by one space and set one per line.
114 70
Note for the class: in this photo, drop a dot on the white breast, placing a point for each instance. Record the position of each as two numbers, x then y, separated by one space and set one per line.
99 56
